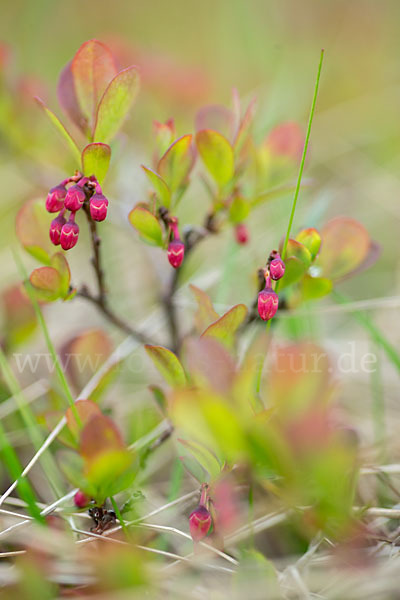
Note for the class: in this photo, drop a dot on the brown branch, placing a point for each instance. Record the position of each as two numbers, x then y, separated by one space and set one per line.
191 239
100 300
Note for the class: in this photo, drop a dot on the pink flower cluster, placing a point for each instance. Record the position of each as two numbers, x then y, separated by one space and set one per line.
268 299
62 199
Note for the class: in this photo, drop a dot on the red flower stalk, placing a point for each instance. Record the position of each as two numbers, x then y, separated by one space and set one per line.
55 198
55 228
241 233
176 248
69 233
267 301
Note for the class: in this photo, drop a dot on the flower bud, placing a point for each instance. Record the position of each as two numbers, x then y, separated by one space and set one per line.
55 229
69 234
199 523
81 500
267 302
241 233
75 198
55 198
277 268
175 253
98 207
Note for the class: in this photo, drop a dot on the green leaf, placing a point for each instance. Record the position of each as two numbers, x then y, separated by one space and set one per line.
314 288
46 283
146 225
225 327
92 69
66 136
32 228
176 164
294 271
345 245
205 314
59 262
239 210
298 250
311 239
96 160
160 187
168 364
204 457
217 155
115 104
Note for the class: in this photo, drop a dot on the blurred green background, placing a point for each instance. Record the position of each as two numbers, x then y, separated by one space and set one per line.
194 53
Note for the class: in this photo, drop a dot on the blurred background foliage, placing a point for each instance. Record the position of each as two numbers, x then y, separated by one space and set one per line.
191 54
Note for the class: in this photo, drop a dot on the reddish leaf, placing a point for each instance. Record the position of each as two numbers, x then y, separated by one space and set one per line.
47 284
209 362
86 411
92 69
19 316
345 246
84 354
67 98
99 435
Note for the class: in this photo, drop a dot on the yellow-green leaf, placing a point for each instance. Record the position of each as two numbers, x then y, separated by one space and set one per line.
217 155
115 104
177 162
168 364
160 187
224 329
96 160
66 136
146 225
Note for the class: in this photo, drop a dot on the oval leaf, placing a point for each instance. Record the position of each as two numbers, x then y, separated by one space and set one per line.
345 245
146 225
59 262
96 160
176 164
67 98
298 250
32 228
92 69
47 284
225 327
311 239
66 136
314 288
294 271
115 104
160 187
217 155
168 364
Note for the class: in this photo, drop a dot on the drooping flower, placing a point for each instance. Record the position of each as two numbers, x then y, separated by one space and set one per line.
75 196
199 523
267 301
69 233
55 228
98 207
55 198
176 248
276 268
